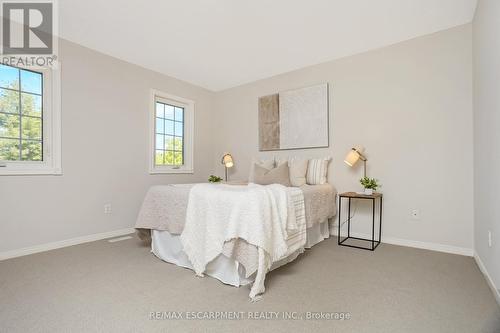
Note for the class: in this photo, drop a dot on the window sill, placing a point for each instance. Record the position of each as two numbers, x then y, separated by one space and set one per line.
170 171
6 171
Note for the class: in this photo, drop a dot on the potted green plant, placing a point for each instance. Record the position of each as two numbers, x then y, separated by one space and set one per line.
214 179
370 185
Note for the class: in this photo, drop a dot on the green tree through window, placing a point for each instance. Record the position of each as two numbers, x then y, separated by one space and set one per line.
21 121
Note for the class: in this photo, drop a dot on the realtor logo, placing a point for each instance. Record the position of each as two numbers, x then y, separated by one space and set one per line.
27 28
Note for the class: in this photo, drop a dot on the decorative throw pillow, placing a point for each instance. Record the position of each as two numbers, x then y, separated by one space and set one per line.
298 171
317 171
267 164
278 175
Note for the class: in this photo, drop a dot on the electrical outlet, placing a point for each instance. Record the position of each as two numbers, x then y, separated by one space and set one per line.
489 239
415 214
107 208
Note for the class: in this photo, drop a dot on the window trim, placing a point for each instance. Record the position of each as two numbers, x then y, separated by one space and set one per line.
188 105
51 140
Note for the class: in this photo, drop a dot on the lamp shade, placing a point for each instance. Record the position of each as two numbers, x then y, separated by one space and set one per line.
351 158
227 160
354 155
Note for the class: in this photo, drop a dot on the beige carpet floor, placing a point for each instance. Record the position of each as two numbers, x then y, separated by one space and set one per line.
113 287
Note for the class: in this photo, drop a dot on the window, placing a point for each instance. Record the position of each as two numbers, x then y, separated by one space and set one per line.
169 130
171 134
28 122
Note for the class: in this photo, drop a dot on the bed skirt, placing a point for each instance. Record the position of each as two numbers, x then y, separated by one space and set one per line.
168 247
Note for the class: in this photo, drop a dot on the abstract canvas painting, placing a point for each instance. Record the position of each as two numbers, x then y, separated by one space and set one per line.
294 119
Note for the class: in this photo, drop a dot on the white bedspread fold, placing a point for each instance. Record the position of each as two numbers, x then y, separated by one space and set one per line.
216 213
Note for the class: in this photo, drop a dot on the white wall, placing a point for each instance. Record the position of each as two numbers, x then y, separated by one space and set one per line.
105 153
487 134
410 105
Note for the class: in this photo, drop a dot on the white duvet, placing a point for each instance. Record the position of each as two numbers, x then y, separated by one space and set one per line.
263 216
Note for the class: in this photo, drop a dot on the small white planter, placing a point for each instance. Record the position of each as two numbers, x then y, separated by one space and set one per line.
368 191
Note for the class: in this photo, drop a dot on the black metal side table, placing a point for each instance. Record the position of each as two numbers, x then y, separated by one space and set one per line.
374 243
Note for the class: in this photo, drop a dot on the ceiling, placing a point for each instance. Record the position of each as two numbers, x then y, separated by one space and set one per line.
219 44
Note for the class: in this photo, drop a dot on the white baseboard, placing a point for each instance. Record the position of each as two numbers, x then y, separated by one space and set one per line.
122 232
420 245
463 251
491 284
64 243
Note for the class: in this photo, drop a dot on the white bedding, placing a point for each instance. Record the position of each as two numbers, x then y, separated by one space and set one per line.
164 207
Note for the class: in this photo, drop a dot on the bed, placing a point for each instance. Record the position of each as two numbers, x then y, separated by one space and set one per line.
165 218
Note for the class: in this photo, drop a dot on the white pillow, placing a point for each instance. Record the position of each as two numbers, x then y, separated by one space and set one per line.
267 164
317 171
298 171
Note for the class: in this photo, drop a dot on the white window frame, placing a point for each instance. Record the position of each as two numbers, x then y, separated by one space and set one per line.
188 105
51 120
